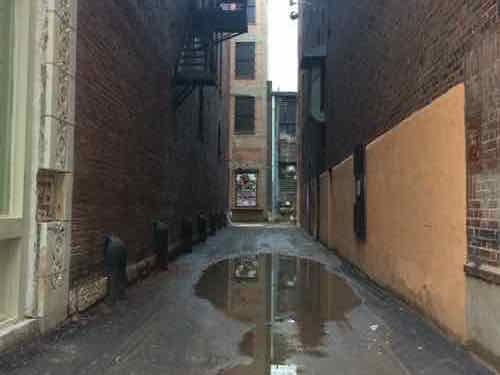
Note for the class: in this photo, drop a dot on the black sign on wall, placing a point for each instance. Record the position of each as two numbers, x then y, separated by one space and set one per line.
359 193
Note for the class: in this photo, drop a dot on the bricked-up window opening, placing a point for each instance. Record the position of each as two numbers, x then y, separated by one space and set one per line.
246 189
245 60
244 122
359 193
251 12
5 102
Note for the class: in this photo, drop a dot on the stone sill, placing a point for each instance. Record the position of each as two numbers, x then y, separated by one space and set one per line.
485 272
17 333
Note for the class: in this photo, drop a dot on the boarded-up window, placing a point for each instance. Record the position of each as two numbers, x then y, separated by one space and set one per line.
244 115
6 9
251 12
245 60
246 189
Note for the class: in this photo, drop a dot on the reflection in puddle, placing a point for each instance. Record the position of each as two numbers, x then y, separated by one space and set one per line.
287 300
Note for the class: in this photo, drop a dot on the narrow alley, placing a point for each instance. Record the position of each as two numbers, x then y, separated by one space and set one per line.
266 187
255 299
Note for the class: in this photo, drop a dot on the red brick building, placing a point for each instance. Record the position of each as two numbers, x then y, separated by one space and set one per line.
113 114
139 155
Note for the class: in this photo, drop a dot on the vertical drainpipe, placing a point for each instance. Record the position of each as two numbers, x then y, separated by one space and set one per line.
270 150
275 180
318 216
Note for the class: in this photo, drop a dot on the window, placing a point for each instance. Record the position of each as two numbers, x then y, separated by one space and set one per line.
287 118
251 12
317 93
5 103
287 131
244 122
245 60
14 110
288 111
246 189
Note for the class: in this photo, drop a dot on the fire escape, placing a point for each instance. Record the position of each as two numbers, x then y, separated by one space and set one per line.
211 24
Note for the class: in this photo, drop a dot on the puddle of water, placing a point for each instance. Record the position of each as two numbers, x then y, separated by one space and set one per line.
289 301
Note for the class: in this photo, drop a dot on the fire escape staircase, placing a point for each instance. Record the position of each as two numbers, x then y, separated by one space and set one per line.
196 63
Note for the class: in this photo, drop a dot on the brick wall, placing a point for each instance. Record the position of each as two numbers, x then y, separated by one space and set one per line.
252 151
483 148
387 59
136 158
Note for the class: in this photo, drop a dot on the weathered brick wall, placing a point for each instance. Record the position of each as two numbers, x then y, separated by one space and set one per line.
389 58
136 159
483 148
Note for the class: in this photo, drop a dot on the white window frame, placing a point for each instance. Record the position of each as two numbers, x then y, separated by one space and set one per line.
12 225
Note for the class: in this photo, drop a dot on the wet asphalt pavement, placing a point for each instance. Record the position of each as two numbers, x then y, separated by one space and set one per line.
254 300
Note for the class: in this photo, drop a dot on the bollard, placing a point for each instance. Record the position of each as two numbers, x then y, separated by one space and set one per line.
160 243
213 224
222 219
218 220
115 262
202 227
187 235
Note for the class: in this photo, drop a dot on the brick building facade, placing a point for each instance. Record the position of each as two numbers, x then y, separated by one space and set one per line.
413 85
104 134
250 196
138 158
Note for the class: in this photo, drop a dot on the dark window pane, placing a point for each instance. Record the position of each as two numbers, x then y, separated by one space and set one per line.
244 124
243 69
244 114
242 51
251 11
245 60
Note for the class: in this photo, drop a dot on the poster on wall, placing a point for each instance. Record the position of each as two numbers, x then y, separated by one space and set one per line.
246 189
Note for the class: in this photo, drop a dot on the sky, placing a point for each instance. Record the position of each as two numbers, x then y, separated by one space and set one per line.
283 59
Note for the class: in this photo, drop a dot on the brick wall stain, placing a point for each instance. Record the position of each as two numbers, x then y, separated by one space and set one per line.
136 158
